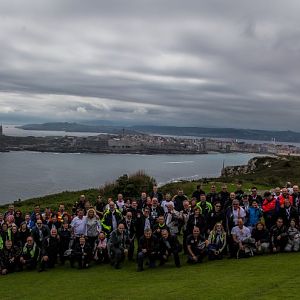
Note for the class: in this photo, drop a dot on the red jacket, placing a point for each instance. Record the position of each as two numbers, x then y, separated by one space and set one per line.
269 206
281 200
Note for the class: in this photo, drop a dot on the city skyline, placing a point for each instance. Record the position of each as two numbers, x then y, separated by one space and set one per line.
193 63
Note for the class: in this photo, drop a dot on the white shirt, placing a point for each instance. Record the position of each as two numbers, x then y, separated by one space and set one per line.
79 226
241 234
238 213
164 205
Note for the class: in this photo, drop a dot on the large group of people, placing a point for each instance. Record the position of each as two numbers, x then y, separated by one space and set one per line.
152 229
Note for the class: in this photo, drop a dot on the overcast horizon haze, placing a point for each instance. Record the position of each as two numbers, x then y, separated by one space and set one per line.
233 64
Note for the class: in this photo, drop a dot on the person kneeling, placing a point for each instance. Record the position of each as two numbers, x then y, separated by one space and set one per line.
196 246
293 237
217 242
243 244
81 254
30 254
101 252
169 245
9 258
50 250
148 248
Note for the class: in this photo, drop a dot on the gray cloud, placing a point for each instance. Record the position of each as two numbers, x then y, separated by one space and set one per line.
201 63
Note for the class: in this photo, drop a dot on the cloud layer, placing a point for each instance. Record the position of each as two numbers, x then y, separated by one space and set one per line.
200 63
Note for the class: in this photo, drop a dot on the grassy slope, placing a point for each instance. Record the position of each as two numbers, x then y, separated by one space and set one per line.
269 277
69 198
277 174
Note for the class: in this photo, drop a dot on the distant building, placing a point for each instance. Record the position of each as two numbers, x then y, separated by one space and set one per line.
1 130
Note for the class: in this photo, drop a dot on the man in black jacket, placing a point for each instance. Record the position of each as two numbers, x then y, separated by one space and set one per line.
288 212
50 250
118 245
9 258
217 215
212 196
197 193
65 238
30 254
178 200
148 248
40 232
168 245
279 237
81 254
196 246
156 194
143 222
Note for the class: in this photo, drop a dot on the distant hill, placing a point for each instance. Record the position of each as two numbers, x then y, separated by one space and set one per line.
75 127
232 133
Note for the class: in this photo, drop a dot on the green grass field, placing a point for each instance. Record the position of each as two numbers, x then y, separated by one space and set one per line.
267 277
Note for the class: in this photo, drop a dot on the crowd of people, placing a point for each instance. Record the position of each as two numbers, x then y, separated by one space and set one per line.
152 229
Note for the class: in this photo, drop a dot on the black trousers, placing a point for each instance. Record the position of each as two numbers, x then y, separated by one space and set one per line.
117 256
140 259
175 256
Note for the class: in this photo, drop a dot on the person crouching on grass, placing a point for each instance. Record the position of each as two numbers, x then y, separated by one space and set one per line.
30 254
9 258
148 248
81 254
168 245
50 250
196 246
101 252
217 242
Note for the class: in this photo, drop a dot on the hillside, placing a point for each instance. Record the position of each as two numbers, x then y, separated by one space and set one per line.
263 172
270 171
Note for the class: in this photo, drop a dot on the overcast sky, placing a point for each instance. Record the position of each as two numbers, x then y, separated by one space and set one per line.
188 63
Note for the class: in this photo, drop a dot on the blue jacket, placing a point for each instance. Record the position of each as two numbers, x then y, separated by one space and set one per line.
254 216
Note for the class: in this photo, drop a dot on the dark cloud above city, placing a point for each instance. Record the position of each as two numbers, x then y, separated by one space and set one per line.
185 63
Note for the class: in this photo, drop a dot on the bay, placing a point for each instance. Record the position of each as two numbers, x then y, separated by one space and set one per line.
25 175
